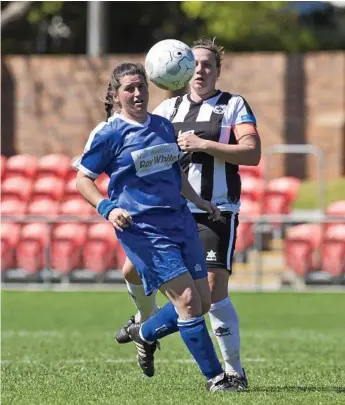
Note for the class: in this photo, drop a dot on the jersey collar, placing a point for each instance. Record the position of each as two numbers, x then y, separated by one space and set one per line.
202 101
139 124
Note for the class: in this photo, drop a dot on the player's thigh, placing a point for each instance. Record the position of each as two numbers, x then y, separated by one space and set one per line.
183 294
129 272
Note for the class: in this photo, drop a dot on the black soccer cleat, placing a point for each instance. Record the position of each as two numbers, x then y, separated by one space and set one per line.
220 383
240 382
145 351
122 336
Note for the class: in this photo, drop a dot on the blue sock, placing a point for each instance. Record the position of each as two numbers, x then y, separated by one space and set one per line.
195 335
161 324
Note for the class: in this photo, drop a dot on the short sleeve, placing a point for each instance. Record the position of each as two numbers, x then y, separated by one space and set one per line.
97 154
243 113
165 108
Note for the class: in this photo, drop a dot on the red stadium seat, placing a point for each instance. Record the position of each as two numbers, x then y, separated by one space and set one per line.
71 174
68 240
56 165
45 207
253 171
71 192
9 239
48 187
13 206
3 166
16 188
299 247
30 250
77 207
333 250
252 188
336 209
245 235
100 247
21 165
102 183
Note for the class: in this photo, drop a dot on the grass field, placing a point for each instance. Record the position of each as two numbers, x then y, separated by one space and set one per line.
58 348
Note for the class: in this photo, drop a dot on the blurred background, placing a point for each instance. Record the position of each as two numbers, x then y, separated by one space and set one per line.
286 58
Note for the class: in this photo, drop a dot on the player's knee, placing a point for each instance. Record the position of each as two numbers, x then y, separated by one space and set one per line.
129 272
205 305
188 304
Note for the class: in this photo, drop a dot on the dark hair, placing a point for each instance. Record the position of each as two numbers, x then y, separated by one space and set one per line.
125 69
211 45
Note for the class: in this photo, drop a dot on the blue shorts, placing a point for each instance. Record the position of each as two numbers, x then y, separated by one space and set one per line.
163 247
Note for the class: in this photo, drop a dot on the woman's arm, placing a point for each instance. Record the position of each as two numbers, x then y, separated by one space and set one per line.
190 194
246 152
88 189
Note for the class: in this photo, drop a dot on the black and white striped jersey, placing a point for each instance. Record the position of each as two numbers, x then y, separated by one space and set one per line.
212 119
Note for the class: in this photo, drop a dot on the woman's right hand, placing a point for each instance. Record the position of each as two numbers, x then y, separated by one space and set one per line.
120 219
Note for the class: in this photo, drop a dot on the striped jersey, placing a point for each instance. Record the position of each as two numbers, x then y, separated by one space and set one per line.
212 119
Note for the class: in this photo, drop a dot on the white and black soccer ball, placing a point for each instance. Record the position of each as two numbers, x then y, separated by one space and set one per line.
170 64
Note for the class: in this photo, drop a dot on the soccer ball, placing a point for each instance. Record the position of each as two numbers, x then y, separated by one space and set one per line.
170 64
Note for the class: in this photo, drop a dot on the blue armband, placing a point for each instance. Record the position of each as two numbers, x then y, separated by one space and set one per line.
105 207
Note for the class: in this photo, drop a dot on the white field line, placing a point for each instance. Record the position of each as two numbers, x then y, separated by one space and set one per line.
116 361
295 334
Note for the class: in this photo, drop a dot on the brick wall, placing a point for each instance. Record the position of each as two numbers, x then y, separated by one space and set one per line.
51 103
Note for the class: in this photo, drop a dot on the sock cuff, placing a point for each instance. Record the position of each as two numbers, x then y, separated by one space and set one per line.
190 322
220 304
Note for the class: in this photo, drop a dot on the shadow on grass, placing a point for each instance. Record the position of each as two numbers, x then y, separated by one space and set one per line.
338 390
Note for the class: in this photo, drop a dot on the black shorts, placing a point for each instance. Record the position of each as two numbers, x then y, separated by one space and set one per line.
218 238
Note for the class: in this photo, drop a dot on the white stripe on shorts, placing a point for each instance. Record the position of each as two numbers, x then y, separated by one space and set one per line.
231 241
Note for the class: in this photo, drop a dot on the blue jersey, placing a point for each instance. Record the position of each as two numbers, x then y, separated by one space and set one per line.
141 161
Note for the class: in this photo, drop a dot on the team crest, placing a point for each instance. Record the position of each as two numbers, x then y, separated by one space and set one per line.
219 109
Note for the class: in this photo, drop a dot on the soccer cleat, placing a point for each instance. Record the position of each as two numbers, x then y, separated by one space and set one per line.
145 351
122 336
240 382
220 383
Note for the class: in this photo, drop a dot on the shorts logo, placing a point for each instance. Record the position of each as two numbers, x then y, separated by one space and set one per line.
211 256
197 267
219 109
155 158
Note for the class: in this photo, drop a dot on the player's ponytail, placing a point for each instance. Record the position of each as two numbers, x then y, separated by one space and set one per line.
109 102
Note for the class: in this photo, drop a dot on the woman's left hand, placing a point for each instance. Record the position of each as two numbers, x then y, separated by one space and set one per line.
189 142
210 208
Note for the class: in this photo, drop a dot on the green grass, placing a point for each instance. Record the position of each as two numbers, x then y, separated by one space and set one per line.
308 196
58 348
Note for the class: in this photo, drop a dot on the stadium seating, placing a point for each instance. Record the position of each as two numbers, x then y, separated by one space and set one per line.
22 166
300 247
56 165
46 207
68 240
71 192
333 250
48 187
252 189
245 230
100 247
10 234
279 196
30 251
336 209
3 166
253 171
77 207
13 207
19 188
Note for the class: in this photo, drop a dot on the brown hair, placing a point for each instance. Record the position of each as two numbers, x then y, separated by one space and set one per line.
211 45
125 69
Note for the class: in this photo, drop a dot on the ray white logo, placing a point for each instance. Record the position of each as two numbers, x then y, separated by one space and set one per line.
155 158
